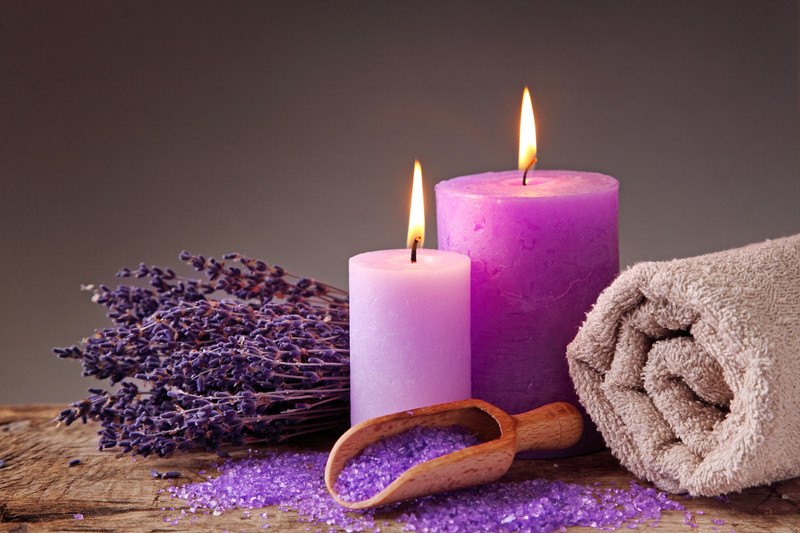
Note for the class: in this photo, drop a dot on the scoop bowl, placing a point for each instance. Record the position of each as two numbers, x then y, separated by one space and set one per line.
553 426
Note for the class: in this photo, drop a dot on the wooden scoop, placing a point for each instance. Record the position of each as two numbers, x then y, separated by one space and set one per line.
551 427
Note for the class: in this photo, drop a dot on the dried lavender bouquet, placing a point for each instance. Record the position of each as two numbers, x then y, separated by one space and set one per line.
248 353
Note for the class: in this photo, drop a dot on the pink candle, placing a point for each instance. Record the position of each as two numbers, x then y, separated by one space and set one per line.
541 253
409 331
409 326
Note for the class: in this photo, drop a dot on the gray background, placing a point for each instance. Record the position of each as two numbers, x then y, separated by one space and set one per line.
288 130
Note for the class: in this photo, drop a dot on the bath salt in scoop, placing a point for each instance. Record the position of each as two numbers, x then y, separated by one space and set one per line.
499 435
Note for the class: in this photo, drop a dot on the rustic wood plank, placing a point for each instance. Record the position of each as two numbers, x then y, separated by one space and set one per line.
39 492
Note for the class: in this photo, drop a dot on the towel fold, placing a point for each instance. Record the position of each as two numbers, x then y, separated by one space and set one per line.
691 368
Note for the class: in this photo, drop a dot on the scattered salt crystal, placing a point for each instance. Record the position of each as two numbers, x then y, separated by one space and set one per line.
294 481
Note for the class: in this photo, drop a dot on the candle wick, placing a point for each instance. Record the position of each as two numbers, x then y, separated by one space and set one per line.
414 250
525 174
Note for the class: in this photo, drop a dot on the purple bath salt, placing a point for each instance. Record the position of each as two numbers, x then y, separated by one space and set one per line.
380 463
291 481
294 481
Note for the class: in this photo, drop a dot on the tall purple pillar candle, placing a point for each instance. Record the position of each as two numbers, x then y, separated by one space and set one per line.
540 255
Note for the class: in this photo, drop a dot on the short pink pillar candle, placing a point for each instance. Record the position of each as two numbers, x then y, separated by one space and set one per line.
409 331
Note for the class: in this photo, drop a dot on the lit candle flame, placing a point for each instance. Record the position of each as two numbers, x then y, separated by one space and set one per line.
416 218
527 133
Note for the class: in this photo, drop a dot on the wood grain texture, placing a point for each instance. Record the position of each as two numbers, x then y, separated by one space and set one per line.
554 426
39 492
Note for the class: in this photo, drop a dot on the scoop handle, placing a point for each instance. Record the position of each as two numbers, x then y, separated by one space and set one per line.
554 426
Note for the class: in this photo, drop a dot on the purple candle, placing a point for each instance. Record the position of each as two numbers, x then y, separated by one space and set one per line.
409 324
541 253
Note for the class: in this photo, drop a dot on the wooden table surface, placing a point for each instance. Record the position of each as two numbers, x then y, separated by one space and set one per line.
39 492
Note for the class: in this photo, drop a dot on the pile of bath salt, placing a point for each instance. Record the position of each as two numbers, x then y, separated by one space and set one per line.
294 482
380 463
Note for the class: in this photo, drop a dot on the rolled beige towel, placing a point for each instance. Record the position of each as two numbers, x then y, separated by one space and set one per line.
691 368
